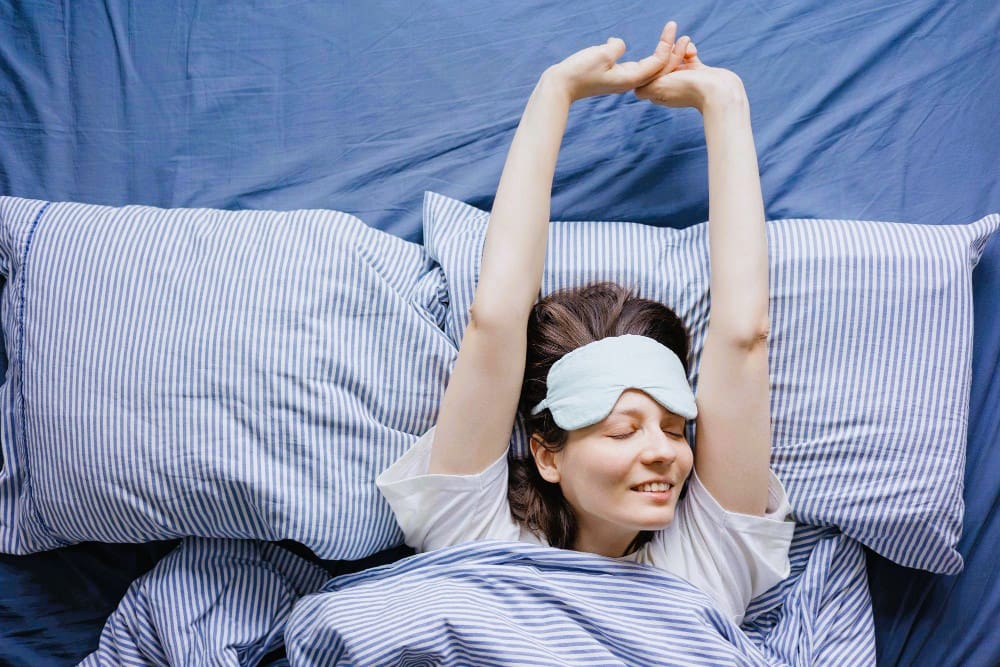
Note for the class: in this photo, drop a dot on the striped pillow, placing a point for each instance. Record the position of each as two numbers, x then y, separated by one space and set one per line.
870 353
210 373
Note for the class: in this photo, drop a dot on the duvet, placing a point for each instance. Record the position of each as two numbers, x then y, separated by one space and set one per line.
236 603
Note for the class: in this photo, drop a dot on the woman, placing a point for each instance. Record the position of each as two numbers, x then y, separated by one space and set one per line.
599 375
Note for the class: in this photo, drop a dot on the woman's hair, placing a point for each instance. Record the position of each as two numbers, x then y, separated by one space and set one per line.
558 324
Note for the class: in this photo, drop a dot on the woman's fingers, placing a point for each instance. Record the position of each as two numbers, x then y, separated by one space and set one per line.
616 47
647 68
668 56
666 43
643 71
691 57
677 53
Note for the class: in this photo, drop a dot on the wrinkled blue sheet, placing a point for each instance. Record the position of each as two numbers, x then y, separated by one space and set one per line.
861 110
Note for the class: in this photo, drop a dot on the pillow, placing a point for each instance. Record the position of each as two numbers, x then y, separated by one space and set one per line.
210 373
870 353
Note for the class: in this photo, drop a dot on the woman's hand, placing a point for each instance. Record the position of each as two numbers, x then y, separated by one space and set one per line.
691 83
595 70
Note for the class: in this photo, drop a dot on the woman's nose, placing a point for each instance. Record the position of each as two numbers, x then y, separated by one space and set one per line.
660 446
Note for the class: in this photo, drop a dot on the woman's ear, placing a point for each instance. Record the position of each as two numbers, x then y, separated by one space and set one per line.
545 460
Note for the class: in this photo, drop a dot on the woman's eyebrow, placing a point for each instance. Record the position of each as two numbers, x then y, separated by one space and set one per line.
632 412
635 412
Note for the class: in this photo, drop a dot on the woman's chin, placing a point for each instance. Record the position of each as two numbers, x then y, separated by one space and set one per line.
655 520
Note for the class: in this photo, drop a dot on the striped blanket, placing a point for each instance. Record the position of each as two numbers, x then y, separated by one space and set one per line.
229 602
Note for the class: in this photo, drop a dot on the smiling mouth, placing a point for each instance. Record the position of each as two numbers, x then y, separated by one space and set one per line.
656 488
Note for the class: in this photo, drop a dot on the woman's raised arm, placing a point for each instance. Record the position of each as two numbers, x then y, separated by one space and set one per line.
480 402
732 456
734 424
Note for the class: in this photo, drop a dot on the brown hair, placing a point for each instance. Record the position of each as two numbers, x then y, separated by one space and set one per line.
558 324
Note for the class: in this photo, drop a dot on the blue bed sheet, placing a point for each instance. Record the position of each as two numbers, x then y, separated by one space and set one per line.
861 110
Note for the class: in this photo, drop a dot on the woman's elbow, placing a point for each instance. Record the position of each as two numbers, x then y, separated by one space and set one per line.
749 338
497 318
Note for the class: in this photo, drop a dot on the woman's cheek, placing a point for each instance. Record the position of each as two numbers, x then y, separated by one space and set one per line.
687 456
621 464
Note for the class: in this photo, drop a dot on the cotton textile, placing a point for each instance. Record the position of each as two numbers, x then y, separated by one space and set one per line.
196 372
226 602
209 602
515 603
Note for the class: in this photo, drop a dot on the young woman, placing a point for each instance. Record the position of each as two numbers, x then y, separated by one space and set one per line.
599 375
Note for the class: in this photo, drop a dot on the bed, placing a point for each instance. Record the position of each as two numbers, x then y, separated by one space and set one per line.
860 111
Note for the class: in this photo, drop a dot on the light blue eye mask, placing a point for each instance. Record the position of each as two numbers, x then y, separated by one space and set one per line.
584 385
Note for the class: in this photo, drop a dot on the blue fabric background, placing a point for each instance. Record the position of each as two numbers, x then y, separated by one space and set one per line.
860 110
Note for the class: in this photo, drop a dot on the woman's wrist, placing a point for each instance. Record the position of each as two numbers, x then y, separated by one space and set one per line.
726 93
553 81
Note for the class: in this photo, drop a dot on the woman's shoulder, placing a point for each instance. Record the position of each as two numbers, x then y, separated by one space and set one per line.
732 557
413 465
701 521
439 510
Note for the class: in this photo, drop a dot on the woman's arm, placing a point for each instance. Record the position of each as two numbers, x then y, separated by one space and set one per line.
480 402
732 456
733 424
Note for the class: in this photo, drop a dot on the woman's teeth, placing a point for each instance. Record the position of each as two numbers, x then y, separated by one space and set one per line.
657 486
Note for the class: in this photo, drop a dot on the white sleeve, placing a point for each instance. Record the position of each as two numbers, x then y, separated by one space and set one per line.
733 557
440 510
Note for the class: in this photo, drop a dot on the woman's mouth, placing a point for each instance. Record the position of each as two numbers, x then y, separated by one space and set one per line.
658 489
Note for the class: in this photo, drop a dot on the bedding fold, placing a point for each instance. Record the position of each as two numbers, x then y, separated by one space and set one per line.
231 602
209 602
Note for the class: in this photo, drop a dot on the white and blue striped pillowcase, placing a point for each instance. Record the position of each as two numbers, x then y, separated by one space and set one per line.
870 353
210 373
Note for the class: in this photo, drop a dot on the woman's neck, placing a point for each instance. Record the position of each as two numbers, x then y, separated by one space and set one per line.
610 546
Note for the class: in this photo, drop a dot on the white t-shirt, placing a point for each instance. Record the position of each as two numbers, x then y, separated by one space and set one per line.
731 557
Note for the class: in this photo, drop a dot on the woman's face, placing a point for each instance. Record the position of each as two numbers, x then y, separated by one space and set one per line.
604 468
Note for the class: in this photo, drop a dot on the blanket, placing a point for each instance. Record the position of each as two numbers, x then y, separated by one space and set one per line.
230 602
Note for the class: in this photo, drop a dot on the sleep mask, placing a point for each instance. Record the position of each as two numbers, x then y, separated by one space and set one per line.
584 385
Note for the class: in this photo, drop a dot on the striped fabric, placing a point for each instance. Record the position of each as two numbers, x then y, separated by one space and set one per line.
822 613
209 602
210 373
505 603
870 353
226 602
